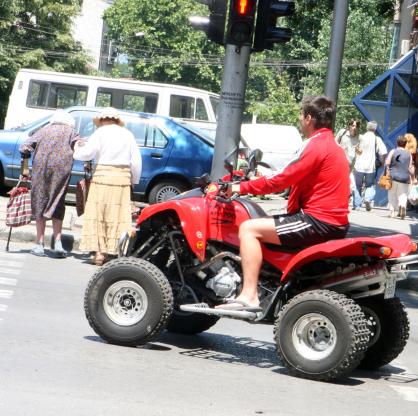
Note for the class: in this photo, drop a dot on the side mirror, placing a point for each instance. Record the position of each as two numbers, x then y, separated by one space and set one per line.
254 159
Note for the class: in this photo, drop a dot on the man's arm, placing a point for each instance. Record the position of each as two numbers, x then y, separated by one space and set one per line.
296 171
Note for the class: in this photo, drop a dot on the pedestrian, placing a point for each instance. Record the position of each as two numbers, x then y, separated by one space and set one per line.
348 139
370 151
400 165
318 202
411 146
52 148
117 166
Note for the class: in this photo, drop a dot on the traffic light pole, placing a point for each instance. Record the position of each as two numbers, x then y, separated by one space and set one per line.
231 107
335 57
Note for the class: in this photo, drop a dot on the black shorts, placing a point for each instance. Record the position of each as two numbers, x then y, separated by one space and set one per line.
302 230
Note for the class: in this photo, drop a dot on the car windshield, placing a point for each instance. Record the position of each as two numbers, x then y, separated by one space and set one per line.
31 124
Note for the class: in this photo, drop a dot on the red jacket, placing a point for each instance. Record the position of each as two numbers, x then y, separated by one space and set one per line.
319 178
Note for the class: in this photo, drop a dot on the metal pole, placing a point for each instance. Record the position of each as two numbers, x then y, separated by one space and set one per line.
231 107
335 58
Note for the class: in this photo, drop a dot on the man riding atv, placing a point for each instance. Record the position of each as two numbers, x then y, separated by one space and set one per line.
318 203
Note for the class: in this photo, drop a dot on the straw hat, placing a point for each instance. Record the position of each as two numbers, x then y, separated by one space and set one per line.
108 113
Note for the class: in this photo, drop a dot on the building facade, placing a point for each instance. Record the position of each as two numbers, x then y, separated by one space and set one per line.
89 29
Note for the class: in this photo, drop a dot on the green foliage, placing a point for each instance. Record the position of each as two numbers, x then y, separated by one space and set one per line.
37 34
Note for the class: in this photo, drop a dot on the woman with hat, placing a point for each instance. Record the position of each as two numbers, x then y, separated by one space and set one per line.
117 166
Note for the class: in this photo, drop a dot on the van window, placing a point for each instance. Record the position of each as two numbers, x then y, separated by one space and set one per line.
127 100
215 105
54 95
187 107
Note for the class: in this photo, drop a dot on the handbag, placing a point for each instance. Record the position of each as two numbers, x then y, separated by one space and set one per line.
385 181
81 193
19 210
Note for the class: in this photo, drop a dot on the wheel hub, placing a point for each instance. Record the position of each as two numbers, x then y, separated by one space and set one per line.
314 336
167 193
125 303
373 324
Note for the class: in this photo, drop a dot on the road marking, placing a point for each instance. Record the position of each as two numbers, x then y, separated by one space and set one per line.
20 256
8 281
9 271
6 294
408 393
3 308
9 263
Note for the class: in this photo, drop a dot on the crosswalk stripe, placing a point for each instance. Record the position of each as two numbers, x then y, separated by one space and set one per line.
6 294
9 263
3 308
8 281
9 271
15 256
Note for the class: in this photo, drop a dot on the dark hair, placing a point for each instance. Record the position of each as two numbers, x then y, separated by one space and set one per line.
354 121
321 109
401 141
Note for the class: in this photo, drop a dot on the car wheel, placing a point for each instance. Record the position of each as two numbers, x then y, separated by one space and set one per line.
165 190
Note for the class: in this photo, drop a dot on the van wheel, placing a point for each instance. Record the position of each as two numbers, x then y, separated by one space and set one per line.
165 190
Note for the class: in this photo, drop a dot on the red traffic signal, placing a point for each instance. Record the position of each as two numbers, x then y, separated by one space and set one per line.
241 22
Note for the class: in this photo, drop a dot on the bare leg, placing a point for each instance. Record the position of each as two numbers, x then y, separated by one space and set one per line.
251 234
56 228
40 230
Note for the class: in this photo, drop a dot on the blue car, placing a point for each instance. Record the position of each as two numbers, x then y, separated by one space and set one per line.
173 155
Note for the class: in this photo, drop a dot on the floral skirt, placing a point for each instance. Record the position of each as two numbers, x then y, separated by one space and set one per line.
108 209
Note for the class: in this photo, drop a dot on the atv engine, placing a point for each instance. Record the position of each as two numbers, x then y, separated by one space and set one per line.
224 283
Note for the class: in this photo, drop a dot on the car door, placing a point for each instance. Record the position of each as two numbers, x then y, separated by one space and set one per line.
154 144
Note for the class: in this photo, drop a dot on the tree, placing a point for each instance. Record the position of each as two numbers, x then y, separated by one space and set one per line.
37 34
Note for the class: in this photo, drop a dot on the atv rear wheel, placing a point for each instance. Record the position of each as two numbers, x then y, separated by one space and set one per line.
321 335
389 326
128 301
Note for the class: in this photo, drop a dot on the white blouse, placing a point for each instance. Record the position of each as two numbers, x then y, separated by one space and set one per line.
112 145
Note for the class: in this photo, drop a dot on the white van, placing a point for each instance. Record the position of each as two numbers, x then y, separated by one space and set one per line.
37 93
280 144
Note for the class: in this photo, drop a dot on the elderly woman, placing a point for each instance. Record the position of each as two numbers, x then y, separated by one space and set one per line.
117 166
401 167
51 170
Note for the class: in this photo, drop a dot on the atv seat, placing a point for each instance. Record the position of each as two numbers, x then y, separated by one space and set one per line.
254 210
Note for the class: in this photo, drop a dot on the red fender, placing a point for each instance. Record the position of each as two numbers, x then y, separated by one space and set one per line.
400 244
192 215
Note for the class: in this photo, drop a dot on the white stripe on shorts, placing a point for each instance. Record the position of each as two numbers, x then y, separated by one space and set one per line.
302 227
288 225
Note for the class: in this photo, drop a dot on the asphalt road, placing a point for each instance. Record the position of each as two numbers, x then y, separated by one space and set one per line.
51 362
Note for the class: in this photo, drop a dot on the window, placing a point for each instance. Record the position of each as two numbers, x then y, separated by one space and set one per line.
141 101
84 122
53 95
201 113
215 105
146 135
188 107
182 107
103 99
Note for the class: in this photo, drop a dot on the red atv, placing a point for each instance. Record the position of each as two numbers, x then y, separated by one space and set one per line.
333 305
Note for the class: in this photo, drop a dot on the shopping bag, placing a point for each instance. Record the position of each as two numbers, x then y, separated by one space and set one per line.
18 211
81 193
413 195
385 181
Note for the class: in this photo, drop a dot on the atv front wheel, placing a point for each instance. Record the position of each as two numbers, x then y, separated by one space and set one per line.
389 326
128 302
321 335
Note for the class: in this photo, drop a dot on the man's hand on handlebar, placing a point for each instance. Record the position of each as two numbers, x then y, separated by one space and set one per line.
233 188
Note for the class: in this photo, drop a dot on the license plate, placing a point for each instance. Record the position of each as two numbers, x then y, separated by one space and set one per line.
390 287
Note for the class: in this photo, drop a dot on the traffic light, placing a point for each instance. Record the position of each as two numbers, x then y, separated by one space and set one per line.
241 22
214 25
266 33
